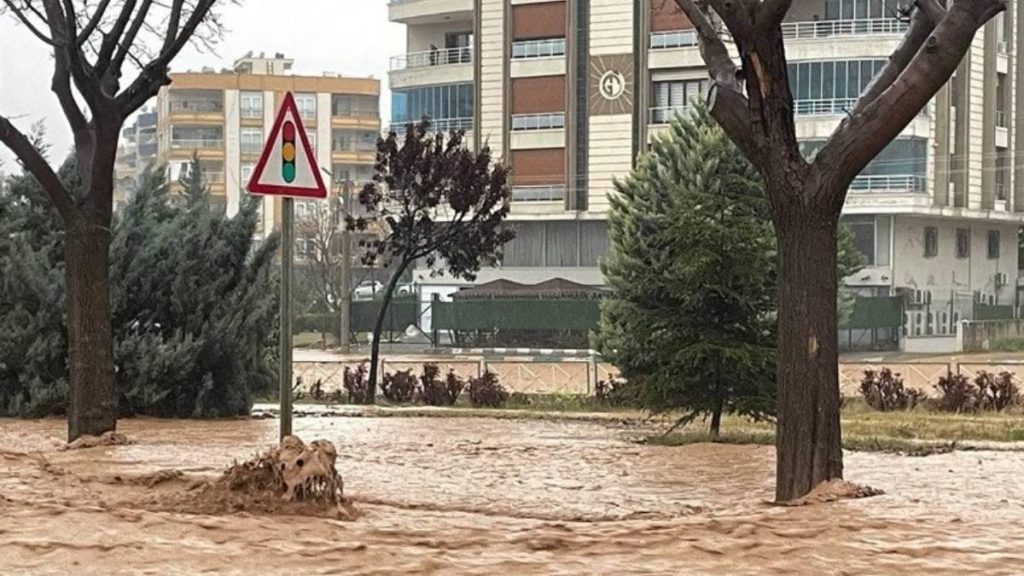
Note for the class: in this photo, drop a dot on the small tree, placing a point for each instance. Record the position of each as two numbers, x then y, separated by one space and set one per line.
321 269
692 273
97 47
434 201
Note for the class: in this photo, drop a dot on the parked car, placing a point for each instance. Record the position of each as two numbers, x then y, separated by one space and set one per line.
370 289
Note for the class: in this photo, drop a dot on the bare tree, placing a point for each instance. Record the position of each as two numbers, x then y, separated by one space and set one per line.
94 43
321 228
753 103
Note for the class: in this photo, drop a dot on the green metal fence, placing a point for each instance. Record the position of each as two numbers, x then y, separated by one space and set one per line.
515 314
402 313
875 312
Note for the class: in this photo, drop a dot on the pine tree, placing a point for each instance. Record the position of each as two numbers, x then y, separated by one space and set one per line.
692 274
194 305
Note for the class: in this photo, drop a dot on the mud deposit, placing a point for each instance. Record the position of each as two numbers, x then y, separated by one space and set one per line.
486 496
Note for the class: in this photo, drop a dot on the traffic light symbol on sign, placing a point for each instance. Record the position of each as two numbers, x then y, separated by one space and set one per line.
288 152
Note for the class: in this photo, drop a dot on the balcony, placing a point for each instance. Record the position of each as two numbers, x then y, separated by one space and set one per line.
673 39
548 48
436 125
834 28
196 106
197 144
889 183
430 11
430 67
543 193
549 121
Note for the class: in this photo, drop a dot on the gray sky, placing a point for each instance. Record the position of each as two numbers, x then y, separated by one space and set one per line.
351 37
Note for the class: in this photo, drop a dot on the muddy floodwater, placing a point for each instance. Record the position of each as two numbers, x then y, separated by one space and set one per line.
489 496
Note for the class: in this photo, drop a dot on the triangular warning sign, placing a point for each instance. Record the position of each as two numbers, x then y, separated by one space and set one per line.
287 166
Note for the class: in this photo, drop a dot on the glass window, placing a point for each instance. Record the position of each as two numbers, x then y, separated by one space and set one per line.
963 243
993 244
863 228
931 241
246 172
252 104
444 102
306 103
252 140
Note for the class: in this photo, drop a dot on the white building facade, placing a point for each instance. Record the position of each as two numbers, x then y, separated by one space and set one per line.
568 92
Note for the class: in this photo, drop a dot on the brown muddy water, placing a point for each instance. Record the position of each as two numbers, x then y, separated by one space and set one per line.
489 496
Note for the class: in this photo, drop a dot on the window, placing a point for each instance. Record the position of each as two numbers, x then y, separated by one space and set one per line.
902 165
252 140
311 136
246 173
931 241
963 243
673 96
993 244
306 103
830 87
445 102
353 140
252 104
355 105
863 228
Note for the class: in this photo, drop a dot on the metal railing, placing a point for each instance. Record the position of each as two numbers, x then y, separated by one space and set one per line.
436 57
197 106
543 193
665 114
248 112
436 125
831 28
1001 119
197 144
551 121
673 39
251 147
824 107
889 183
538 48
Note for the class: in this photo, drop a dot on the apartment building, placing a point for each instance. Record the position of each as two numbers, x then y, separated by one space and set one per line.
224 116
568 92
138 150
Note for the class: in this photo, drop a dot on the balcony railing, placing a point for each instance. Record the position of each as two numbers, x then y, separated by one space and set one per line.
889 183
831 28
826 107
196 144
673 39
252 112
665 114
538 48
544 193
197 106
428 58
552 121
251 148
436 125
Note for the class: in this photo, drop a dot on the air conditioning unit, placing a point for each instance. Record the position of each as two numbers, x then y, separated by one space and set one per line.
1001 279
921 297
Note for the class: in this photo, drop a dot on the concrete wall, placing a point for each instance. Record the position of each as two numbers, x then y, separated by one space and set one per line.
421 36
946 272
492 76
982 336
948 344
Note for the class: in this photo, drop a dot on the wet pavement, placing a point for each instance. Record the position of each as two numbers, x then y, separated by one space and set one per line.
499 496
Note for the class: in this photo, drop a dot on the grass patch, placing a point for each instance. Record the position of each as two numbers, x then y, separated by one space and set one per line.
693 437
1012 345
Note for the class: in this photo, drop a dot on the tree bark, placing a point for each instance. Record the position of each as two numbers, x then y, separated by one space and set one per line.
716 416
378 328
808 439
92 402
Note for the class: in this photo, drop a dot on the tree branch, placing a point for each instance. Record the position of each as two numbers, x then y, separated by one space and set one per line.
61 86
113 72
112 38
36 165
90 26
726 100
862 136
772 12
20 15
921 27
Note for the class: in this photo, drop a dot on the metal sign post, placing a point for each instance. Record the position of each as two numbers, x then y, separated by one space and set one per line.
287 168
287 244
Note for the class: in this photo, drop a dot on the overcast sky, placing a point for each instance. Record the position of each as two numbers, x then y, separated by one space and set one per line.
351 37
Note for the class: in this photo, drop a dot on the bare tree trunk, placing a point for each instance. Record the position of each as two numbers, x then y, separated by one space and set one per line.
378 328
92 402
808 440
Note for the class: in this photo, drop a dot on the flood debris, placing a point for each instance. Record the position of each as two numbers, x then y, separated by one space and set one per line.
833 490
106 439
